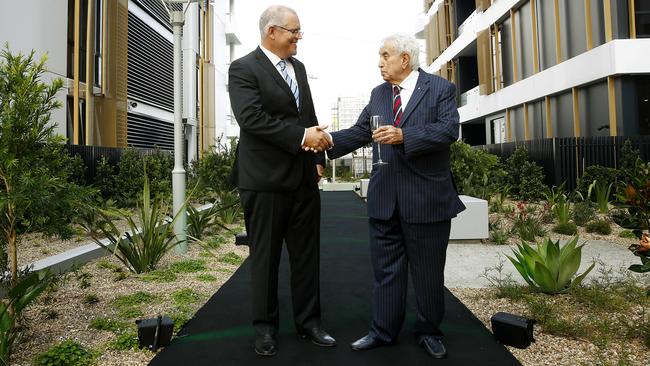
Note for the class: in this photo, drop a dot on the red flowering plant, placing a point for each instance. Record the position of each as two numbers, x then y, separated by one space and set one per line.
633 198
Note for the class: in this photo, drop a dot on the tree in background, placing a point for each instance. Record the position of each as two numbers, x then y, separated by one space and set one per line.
35 189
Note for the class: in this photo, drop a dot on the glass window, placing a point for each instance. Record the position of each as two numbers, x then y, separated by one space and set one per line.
524 41
642 18
546 33
506 52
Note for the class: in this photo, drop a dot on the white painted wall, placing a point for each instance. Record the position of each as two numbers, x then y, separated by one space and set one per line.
41 26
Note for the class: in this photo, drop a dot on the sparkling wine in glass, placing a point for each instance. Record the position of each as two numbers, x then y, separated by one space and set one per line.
375 123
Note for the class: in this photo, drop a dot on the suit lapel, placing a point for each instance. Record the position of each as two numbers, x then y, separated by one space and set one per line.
421 88
271 70
301 79
386 99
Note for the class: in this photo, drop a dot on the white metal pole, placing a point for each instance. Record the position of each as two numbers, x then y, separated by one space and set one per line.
178 174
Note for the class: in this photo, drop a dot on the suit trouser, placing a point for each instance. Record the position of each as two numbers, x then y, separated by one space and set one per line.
397 247
293 217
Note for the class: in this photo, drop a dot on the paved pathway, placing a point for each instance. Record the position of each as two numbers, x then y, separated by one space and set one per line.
466 262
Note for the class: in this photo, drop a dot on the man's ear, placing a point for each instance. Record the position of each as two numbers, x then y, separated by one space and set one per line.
406 60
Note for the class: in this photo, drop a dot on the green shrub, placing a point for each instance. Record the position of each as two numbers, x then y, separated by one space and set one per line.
627 234
130 177
125 341
188 266
583 212
214 167
151 236
596 173
476 172
158 276
562 209
629 156
601 227
231 258
107 324
66 353
497 235
525 177
206 278
548 267
567 228
230 207
185 297
105 178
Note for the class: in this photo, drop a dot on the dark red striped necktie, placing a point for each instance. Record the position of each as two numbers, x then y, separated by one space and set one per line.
397 105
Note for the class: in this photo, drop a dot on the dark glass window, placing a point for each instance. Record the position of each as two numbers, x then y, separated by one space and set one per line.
642 18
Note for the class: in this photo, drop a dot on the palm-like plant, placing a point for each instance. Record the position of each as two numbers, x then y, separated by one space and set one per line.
549 268
18 297
562 208
199 221
151 236
602 192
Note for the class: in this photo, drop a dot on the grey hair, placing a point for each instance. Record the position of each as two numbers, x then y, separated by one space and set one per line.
274 15
403 43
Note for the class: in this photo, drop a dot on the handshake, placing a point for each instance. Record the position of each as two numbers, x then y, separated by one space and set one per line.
317 140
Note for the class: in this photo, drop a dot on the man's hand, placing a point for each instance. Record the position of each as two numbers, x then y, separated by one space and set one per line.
388 135
319 172
316 139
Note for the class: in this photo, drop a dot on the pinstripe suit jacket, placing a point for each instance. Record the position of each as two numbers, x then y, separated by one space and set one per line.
417 180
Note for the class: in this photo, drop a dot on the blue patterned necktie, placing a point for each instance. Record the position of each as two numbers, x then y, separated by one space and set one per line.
292 84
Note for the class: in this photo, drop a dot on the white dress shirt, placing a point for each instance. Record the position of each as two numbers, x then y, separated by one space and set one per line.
407 86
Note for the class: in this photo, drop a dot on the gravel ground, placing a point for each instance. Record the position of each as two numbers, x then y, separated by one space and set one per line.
550 349
63 314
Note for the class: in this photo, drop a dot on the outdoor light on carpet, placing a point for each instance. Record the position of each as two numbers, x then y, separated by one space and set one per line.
512 330
155 332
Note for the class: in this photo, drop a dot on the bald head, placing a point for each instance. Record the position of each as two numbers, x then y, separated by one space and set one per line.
274 15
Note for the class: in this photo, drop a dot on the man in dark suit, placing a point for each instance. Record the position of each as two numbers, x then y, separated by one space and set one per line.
277 176
412 199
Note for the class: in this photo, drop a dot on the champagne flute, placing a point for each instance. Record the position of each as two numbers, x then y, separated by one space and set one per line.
375 123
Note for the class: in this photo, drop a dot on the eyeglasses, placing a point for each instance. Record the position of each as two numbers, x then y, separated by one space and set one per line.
295 32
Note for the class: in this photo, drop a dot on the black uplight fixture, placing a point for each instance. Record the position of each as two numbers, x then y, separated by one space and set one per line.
155 332
512 330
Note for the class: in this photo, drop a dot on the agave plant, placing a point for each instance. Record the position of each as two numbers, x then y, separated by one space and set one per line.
150 237
549 268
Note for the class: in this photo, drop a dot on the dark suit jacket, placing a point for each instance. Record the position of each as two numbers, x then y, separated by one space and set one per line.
417 180
269 155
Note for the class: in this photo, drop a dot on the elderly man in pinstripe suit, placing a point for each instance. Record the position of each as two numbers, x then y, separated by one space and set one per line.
412 199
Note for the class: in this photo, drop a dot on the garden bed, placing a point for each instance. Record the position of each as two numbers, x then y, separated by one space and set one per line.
103 295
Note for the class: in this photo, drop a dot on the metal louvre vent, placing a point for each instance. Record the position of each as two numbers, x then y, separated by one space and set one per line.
150 133
157 10
151 65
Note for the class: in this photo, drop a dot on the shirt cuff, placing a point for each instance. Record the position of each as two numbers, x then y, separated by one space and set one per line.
304 135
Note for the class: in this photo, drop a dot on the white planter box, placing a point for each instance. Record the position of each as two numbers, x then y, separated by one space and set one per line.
471 223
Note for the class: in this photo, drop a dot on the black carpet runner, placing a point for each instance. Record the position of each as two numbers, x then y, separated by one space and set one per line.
221 333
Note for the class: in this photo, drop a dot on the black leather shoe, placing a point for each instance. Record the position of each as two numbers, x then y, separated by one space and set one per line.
433 346
265 345
367 342
318 337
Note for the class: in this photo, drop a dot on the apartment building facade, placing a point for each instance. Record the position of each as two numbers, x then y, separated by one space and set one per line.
535 69
116 60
